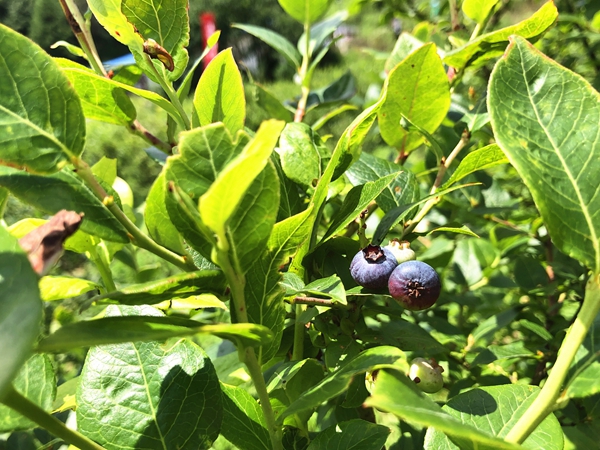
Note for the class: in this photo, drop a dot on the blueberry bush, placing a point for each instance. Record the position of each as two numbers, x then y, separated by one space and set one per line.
476 167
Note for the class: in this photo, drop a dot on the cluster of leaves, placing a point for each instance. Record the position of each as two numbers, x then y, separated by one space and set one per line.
260 226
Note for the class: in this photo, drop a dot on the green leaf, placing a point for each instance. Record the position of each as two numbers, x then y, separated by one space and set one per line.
75 70
305 11
184 88
167 23
478 10
99 100
458 230
402 191
173 397
203 154
354 434
486 329
356 201
219 203
303 154
275 40
271 104
402 334
156 216
243 421
405 45
37 382
20 308
58 288
219 96
418 89
264 295
64 190
330 287
320 31
494 411
492 44
179 285
105 170
555 148
41 121
583 373
339 90
499 352
118 330
338 382
396 394
480 159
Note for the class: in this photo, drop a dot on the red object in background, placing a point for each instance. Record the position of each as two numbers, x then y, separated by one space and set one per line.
208 26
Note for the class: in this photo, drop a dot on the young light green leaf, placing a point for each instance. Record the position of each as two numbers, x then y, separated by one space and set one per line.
36 381
156 216
396 394
303 154
80 72
173 398
184 89
122 329
41 120
264 295
458 230
354 434
63 190
480 159
243 421
402 191
219 203
492 44
404 46
555 148
337 382
58 288
180 285
478 10
275 40
305 11
418 89
219 96
100 100
20 308
494 410
356 201
167 23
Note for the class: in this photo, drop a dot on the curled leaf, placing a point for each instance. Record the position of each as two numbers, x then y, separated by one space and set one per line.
156 51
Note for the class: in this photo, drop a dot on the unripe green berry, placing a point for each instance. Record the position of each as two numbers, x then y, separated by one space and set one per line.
427 375
401 250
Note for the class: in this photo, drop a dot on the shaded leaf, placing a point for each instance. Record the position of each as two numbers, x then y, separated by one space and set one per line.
583 373
20 308
396 394
555 148
354 434
37 382
64 190
168 396
494 411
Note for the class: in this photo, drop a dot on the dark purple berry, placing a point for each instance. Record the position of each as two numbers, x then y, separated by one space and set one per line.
415 285
371 267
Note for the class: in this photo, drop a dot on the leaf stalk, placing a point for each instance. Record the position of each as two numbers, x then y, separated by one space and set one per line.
15 400
547 398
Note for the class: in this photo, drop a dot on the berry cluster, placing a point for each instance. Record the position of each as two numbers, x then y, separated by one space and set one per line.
414 284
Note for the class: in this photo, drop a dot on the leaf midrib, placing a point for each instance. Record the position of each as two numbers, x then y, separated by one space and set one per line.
584 210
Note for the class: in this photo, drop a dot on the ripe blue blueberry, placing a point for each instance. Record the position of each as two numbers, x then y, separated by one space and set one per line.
415 285
371 267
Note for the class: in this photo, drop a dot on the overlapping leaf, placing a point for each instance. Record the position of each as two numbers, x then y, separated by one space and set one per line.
556 145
